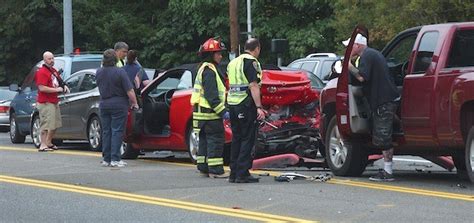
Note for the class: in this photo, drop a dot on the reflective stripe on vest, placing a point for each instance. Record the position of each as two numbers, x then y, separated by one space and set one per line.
198 99
238 81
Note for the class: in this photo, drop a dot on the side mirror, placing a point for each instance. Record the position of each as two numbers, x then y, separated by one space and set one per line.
336 70
14 87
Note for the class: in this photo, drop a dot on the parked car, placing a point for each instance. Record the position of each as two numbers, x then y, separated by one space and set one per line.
292 125
319 64
23 104
5 98
434 71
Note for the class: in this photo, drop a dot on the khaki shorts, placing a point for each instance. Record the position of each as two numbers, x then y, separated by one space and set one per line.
50 116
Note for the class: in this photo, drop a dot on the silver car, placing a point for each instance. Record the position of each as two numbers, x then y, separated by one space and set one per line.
6 97
79 112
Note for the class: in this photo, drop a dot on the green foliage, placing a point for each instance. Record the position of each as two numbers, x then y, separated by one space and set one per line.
168 33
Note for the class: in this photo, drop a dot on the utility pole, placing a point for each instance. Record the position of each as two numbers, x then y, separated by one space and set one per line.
234 28
67 26
249 19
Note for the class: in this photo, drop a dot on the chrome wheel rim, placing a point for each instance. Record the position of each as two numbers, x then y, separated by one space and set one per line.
123 147
35 132
94 134
12 128
337 149
193 144
471 155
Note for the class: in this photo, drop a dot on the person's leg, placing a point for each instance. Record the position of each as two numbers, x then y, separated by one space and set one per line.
201 161
236 140
215 146
245 159
106 119
56 122
382 138
49 137
44 125
117 125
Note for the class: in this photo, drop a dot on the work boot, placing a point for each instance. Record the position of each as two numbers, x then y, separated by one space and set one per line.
219 176
247 179
203 174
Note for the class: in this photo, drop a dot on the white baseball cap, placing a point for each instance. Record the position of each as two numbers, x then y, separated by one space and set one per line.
359 39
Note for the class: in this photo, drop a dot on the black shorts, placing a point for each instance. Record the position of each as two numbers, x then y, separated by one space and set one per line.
383 125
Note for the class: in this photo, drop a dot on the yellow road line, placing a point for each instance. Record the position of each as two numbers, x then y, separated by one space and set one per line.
378 186
64 152
237 213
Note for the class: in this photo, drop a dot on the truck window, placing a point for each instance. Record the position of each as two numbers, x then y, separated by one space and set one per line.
425 52
462 50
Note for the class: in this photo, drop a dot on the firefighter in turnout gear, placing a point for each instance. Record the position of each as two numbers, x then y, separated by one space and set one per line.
244 100
208 101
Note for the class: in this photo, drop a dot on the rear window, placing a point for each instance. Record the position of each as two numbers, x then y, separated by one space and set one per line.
6 94
310 66
326 68
462 51
82 65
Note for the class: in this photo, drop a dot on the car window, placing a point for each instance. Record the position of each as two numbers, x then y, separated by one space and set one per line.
315 81
6 94
462 51
88 82
326 68
29 83
82 65
186 80
425 52
295 65
401 52
167 84
73 82
310 65
59 65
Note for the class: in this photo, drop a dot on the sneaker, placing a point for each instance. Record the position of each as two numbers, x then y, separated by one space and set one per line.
382 176
104 163
117 164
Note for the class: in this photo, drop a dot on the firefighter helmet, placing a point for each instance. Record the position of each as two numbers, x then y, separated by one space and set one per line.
212 45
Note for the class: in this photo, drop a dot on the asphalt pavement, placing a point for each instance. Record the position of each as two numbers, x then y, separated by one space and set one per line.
69 185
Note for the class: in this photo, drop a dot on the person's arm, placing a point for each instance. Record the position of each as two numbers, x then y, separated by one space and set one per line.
211 92
47 89
133 99
127 86
251 75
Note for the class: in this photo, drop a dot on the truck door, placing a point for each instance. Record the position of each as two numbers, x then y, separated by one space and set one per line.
418 92
352 108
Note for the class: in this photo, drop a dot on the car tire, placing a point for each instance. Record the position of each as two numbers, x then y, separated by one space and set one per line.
343 158
128 152
15 135
94 134
192 142
469 157
36 131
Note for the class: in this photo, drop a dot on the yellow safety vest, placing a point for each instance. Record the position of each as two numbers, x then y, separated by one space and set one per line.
238 81
199 101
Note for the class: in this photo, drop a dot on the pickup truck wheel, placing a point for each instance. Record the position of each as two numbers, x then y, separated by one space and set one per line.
470 154
192 141
15 135
128 152
343 158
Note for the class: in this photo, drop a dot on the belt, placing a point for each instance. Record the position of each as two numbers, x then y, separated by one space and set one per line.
201 109
238 88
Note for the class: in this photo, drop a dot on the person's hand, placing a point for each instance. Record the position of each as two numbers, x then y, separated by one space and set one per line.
134 107
59 89
66 89
261 113
226 115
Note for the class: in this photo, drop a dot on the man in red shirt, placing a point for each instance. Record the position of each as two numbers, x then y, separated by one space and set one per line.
49 84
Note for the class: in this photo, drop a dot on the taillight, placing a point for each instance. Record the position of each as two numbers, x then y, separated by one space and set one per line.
4 109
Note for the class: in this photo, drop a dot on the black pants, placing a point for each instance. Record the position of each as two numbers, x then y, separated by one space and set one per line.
243 119
211 146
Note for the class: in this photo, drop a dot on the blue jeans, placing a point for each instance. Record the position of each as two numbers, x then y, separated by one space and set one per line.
113 125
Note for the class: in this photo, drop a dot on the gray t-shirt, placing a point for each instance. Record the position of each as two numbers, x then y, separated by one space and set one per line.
113 85
379 87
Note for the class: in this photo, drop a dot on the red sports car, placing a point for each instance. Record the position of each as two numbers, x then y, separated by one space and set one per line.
164 122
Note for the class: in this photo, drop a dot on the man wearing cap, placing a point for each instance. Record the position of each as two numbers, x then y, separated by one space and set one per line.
381 91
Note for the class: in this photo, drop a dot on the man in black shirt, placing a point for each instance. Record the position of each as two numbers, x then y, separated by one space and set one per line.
379 88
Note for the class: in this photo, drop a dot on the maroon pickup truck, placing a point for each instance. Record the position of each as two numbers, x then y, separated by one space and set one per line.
433 68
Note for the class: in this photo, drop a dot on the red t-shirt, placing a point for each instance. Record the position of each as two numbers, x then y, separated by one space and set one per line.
49 78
